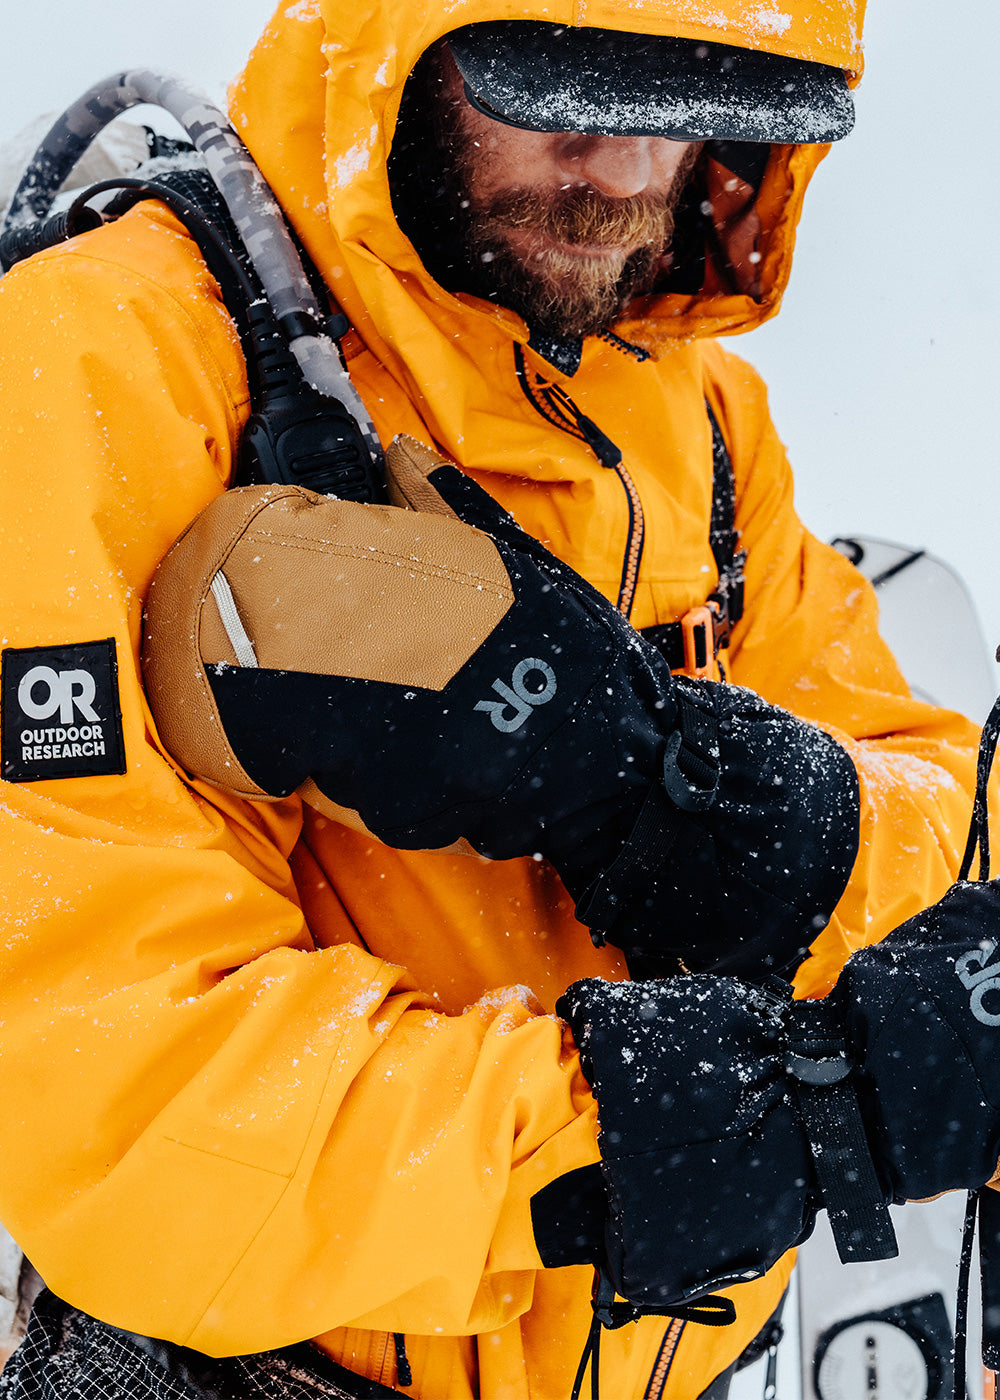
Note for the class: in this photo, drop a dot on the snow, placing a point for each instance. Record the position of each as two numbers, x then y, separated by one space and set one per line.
303 9
772 21
884 772
764 20
882 363
354 162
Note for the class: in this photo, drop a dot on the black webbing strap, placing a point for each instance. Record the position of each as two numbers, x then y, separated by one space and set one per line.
979 826
645 850
817 1062
727 600
989 1260
723 536
691 761
987 1199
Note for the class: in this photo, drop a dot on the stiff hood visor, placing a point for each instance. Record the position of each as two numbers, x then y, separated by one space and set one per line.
549 77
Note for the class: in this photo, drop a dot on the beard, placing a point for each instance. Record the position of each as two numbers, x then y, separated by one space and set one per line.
539 254
543 256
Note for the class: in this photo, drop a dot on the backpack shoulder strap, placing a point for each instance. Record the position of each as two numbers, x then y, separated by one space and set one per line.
693 642
724 537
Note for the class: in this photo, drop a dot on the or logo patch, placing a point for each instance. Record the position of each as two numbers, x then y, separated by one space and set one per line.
980 976
60 712
517 700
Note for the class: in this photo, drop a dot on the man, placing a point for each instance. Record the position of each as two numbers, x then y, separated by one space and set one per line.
266 1079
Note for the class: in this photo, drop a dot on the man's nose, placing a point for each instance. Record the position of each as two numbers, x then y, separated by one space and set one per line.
617 166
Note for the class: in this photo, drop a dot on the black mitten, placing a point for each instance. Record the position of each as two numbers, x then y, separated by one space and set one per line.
706 1164
922 1021
434 675
729 1113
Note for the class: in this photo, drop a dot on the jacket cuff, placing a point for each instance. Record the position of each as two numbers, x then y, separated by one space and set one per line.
568 1217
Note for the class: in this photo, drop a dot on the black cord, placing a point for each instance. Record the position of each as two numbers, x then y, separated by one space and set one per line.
979 827
589 1351
219 256
962 1301
979 836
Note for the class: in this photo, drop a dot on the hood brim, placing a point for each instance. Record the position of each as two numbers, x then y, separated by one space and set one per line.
550 77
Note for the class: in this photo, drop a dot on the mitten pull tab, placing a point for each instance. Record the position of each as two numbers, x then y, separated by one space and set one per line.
817 1062
691 761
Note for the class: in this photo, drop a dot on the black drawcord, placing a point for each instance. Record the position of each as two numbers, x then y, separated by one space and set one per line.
979 837
591 1353
556 406
962 1301
979 828
713 1310
404 1372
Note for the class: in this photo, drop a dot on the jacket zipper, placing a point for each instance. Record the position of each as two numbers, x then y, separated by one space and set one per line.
634 543
553 404
664 1360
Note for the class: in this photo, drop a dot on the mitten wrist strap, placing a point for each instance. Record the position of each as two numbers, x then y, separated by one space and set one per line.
818 1064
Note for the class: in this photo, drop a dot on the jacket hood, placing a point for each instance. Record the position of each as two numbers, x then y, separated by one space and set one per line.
318 102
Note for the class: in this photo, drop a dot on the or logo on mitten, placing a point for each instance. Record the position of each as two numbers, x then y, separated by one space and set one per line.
976 972
517 701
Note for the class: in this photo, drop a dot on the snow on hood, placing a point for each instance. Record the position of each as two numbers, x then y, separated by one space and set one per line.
317 106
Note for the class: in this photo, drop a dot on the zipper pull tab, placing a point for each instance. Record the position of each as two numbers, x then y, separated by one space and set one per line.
608 453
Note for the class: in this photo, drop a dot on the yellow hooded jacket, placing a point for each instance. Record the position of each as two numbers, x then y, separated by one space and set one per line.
264 1079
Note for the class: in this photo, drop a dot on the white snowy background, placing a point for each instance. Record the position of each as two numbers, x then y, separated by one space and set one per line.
883 362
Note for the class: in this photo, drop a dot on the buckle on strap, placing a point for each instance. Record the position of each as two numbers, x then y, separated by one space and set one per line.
818 1064
705 630
693 643
698 633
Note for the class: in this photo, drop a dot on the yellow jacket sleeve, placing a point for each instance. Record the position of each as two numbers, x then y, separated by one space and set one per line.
214 1131
809 641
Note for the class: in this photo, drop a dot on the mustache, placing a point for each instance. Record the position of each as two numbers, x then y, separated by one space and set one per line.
583 215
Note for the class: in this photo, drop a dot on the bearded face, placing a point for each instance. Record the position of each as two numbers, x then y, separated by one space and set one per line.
568 262
511 215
